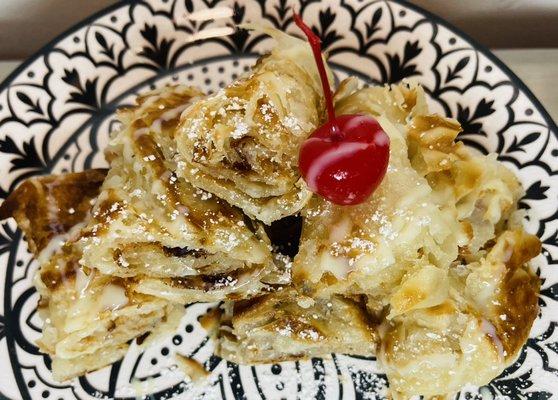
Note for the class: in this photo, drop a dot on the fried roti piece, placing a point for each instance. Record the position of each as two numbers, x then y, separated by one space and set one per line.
46 206
285 326
187 244
369 247
483 192
436 250
242 142
89 318
471 327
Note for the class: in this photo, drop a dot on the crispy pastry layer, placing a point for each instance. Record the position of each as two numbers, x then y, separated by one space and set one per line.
148 221
242 143
89 318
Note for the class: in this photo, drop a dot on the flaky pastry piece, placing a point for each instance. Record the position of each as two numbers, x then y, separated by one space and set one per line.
187 244
397 103
368 248
285 326
439 293
463 326
89 318
482 190
49 205
242 142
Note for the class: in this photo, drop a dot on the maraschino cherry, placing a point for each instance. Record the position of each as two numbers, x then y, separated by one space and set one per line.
345 159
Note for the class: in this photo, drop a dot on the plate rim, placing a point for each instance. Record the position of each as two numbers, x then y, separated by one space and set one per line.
516 80
476 45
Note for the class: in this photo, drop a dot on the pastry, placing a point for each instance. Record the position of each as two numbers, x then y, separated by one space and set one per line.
89 318
421 260
188 244
285 326
241 143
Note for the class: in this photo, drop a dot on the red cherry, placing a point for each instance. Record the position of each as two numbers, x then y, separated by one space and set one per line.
345 159
345 169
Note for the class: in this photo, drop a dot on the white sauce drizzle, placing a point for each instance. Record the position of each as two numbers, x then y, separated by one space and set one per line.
489 329
113 297
57 242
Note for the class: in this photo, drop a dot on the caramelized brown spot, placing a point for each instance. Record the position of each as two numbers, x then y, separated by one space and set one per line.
242 166
424 132
117 257
43 302
468 229
211 320
208 283
183 252
518 294
146 146
169 101
53 278
249 223
138 124
111 326
234 296
365 319
267 118
243 306
199 153
107 210
445 308
329 279
241 148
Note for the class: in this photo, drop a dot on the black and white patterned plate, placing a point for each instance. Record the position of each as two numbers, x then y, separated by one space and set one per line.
57 109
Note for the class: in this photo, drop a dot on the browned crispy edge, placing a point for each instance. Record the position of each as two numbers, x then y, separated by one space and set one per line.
50 205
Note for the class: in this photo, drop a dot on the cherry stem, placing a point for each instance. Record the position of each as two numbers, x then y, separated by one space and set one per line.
316 45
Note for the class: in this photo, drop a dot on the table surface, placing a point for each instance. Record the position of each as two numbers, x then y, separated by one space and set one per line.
538 68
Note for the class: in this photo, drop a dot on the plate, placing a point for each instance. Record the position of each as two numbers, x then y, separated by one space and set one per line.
56 111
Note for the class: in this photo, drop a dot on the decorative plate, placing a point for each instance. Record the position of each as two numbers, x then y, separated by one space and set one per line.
56 111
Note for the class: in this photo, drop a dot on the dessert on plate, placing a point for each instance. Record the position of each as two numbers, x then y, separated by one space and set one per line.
286 325
147 221
412 249
89 317
242 143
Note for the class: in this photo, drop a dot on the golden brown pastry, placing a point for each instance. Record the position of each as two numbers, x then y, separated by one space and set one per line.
431 272
436 250
242 143
188 244
285 326
50 205
89 318
467 330
482 190
368 248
